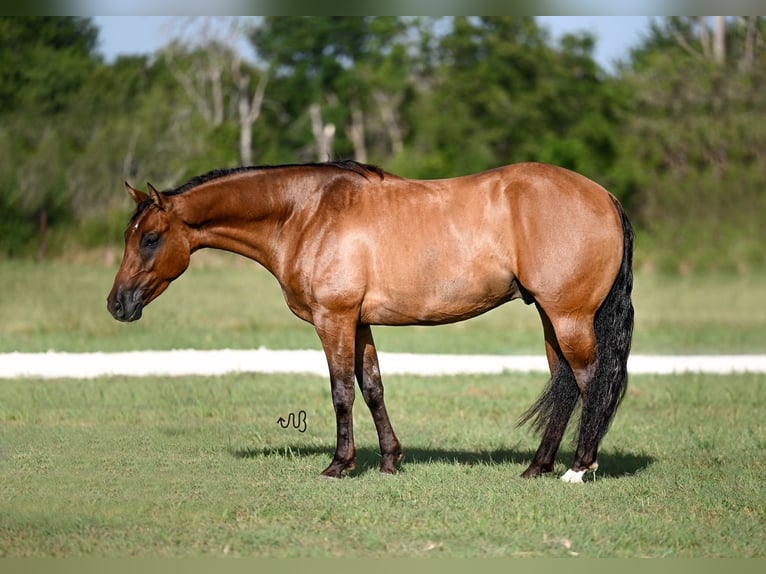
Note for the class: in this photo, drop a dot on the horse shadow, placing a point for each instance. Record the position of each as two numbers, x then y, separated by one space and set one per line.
612 464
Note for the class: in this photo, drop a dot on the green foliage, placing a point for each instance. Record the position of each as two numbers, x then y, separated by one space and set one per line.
695 144
676 133
43 62
16 235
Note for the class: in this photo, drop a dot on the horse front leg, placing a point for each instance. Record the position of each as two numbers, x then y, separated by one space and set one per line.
338 341
369 379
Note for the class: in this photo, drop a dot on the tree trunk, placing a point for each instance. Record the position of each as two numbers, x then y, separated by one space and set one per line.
324 134
387 109
245 141
748 55
217 94
719 40
356 133
249 111
42 248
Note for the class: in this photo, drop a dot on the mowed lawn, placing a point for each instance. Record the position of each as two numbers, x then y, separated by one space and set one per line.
228 302
199 466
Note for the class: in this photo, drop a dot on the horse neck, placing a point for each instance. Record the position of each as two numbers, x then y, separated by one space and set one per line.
241 214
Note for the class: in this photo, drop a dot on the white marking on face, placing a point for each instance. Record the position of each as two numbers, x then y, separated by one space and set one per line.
573 476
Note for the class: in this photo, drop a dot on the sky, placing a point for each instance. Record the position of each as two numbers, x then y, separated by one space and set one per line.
615 35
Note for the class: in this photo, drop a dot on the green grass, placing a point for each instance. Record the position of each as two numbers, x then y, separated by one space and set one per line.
236 304
198 466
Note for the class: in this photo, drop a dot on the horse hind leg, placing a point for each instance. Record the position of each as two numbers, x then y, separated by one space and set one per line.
604 381
595 344
578 341
551 412
600 363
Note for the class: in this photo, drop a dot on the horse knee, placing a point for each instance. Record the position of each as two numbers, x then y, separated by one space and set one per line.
373 394
342 399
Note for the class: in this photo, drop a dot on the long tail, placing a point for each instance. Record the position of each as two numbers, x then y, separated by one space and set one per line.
614 334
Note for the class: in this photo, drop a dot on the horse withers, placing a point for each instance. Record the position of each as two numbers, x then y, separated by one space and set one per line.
354 246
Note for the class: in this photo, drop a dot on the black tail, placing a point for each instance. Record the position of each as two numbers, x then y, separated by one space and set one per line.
614 333
557 401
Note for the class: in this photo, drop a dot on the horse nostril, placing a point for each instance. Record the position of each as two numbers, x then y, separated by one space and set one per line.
125 304
115 308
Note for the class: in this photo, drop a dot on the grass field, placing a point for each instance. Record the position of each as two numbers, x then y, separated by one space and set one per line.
200 467
232 303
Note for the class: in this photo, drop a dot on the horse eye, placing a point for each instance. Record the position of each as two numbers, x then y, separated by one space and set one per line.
150 240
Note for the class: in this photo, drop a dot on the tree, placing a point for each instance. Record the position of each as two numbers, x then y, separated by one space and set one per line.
695 142
726 41
206 60
332 65
502 92
44 62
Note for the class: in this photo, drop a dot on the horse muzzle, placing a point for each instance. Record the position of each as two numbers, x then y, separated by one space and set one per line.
125 304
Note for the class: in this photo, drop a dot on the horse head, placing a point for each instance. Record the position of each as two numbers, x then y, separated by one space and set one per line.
157 251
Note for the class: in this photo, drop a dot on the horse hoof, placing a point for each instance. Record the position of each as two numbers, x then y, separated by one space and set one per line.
328 476
389 462
573 476
536 471
337 470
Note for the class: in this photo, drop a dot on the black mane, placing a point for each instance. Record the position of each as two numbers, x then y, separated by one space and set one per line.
349 165
356 167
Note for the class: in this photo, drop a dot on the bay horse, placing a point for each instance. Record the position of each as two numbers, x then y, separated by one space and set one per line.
352 246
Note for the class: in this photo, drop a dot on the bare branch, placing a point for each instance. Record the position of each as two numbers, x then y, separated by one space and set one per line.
679 38
187 83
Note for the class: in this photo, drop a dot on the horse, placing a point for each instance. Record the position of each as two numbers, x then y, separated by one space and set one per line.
353 246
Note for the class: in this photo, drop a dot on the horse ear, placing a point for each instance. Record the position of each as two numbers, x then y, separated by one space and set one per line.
158 199
138 196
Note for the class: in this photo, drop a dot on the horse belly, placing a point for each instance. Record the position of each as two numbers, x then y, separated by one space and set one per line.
424 297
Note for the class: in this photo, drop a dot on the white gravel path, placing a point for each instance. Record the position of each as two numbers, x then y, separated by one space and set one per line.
194 362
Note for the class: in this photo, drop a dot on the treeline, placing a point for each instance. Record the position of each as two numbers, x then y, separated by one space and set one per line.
677 132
